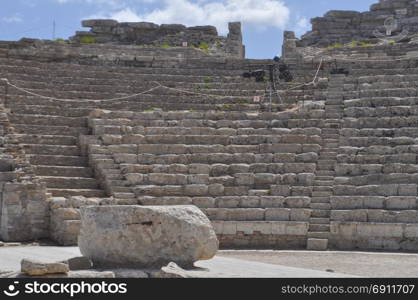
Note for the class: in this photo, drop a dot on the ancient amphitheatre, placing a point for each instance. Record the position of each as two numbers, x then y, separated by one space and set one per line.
314 151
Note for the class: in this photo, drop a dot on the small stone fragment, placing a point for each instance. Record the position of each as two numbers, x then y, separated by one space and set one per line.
36 268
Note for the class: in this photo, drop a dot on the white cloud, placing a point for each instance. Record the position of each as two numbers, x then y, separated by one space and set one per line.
258 13
302 26
13 19
111 3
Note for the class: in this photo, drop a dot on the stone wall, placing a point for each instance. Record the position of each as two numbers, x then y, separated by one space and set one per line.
347 26
23 199
205 38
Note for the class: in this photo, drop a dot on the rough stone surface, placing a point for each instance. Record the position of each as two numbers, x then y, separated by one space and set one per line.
317 244
35 268
126 236
79 263
166 35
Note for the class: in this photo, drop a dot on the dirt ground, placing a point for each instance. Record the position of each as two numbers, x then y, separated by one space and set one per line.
364 264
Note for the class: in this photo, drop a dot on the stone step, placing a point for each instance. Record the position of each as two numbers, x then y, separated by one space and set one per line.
321 206
255 214
259 193
63 171
112 177
319 220
325 173
334 137
117 183
317 244
69 182
145 102
112 171
326 162
330 149
90 70
48 110
319 227
318 213
326 167
328 155
336 107
58 160
42 139
333 121
320 200
50 130
325 193
88 193
326 178
246 118
124 75
158 140
51 149
105 86
323 183
124 196
330 131
330 141
335 101
107 93
105 164
321 188
42 120
333 115
331 144
190 128
318 235
8 176
120 189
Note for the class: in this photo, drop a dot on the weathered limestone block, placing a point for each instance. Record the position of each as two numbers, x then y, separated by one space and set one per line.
136 236
79 263
23 211
35 268
244 178
277 214
65 221
317 244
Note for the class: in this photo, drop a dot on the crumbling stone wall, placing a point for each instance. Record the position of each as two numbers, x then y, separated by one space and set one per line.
347 26
205 38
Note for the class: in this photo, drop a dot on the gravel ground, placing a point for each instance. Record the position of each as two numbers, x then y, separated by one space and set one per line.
364 264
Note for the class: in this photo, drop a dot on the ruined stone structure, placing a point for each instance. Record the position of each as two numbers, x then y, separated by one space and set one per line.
149 34
333 163
387 17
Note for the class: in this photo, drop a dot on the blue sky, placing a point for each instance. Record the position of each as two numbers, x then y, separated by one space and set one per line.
263 20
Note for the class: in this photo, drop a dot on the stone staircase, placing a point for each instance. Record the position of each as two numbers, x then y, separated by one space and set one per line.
50 143
251 173
375 191
319 224
50 130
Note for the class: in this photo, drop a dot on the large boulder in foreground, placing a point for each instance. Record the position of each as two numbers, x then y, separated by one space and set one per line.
146 236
